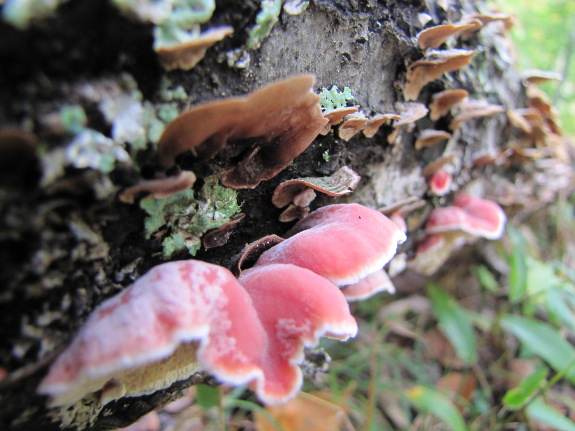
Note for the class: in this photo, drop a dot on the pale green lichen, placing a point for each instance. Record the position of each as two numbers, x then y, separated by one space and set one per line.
266 18
72 119
20 13
334 99
325 156
183 23
187 217
91 149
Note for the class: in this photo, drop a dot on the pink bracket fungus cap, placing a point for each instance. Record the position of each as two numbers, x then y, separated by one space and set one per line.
472 215
179 318
365 288
296 307
343 243
440 182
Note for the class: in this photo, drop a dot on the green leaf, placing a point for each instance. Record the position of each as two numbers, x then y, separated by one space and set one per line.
544 341
558 308
454 323
433 402
517 397
549 415
487 279
208 396
517 269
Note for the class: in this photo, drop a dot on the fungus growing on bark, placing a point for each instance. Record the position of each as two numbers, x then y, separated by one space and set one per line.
351 125
279 120
452 227
186 55
177 319
336 116
409 113
160 188
362 237
368 286
443 101
220 236
186 316
374 123
434 166
341 182
474 109
440 182
431 67
534 76
430 137
434 37
295 307
472 215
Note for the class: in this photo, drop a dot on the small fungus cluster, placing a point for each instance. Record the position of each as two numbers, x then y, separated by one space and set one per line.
186 316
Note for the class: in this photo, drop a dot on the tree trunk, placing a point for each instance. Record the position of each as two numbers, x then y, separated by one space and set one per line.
66 241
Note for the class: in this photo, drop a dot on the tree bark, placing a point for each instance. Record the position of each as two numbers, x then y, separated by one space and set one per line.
67 246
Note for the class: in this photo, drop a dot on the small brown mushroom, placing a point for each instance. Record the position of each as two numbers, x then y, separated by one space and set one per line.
279 122
474 109
434 166
518 121
160 188
409 113
375 122
219 236
185 56
430 137
434 37
431 67
443 101
534 76
293 212
336 116
341 182
351 126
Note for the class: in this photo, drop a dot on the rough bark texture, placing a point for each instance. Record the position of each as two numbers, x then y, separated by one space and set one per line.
65 248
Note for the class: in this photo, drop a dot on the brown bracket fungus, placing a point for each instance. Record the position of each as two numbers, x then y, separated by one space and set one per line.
186 55
431 67
443 101
430 137
160 188
352 124
341 182
374 123
474 109
409 113
534 76
281 119
336 116
434 37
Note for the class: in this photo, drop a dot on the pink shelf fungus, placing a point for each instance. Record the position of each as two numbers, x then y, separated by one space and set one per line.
452 227
280 120
186 316
440 183
362 237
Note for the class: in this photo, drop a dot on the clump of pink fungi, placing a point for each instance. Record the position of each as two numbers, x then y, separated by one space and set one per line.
186 316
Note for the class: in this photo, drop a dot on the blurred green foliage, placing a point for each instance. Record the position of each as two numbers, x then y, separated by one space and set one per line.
545 40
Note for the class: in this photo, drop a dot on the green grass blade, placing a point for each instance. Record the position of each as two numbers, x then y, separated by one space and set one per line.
430 401
517 397
455 324
550 416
